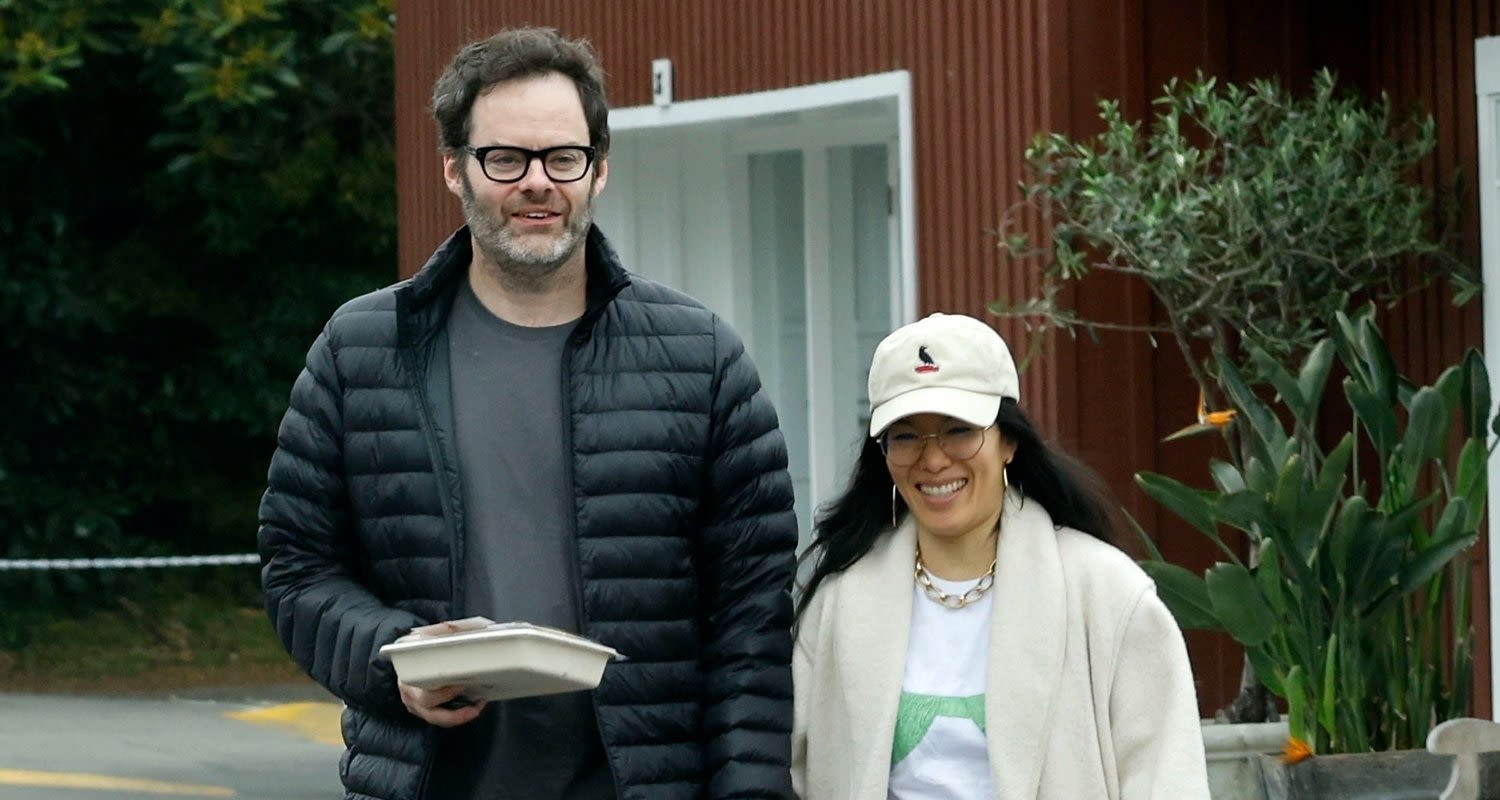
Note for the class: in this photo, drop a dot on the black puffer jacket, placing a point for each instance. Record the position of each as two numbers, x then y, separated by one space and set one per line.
684 527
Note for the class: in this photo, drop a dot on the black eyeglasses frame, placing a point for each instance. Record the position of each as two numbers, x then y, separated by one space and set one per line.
481 154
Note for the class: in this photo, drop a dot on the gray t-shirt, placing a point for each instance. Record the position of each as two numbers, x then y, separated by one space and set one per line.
518 556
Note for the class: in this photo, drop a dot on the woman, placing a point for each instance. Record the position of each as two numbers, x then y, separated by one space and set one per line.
967 630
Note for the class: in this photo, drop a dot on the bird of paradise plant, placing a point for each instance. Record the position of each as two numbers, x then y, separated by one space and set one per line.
1250 213
1356 613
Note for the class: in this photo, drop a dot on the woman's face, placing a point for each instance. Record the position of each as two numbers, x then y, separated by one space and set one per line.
951 496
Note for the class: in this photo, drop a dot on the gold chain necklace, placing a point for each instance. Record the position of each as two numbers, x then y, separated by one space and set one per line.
942 598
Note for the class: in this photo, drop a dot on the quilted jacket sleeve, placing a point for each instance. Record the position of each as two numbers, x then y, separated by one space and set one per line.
748 543
331 624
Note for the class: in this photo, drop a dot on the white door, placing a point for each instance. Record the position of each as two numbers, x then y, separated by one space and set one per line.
778 279
1487 87
822 248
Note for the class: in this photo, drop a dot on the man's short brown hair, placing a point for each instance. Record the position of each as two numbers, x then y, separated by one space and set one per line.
508 55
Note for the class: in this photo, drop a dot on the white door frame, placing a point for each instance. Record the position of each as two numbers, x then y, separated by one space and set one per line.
1487 91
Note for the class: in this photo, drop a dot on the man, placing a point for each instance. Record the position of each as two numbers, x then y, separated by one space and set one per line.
525 431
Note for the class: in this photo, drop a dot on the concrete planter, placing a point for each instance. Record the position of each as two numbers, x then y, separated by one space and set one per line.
1233 750
1391 775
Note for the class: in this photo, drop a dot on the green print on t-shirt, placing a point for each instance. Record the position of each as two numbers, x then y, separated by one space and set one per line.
917 711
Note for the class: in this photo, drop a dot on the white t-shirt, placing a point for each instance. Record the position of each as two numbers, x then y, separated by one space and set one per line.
939 751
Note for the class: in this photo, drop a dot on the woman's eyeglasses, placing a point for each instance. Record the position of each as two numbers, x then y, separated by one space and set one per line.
903 446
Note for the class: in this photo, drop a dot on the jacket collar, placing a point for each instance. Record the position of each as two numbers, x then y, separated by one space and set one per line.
1027 641
1028 638
423 303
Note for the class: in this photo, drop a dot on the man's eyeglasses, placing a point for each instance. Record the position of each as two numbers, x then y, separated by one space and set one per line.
903 446
563 164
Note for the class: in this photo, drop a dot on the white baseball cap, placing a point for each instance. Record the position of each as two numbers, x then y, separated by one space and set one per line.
946 364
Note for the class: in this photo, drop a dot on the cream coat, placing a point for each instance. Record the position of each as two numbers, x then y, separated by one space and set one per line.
1089 693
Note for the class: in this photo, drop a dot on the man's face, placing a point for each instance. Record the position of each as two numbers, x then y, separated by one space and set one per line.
533 227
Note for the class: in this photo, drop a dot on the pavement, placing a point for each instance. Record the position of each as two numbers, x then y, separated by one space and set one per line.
251 743
303 708
307 692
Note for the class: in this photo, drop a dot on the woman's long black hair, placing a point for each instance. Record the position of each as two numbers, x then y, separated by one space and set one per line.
849 527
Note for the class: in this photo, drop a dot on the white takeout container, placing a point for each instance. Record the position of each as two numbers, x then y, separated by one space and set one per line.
501 661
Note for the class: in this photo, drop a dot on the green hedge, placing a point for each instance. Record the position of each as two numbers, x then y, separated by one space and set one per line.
191 186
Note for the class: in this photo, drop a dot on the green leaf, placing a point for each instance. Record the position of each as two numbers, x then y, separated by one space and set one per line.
1246 511
1313 377
1287 387
1426 432
1377 416
1475 395
1239 605
181 163
1291 512
336 42
1451 524
1384 380
1326 703
1405 391
1382 557
1151 548
1442 550
1184 594
1265 428
1323 501
1269 578
1397 526
1354 523
1472 480
1195 429
1268 668
1226 476
1192 506
1343 333
1298 701
1260 476
1450 385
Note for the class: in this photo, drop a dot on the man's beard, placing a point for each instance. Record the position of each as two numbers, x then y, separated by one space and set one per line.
517 266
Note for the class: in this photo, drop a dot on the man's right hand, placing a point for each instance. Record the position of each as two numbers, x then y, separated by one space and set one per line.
427 704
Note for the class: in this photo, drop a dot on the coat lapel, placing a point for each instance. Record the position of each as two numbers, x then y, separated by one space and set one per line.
879 587
1027 643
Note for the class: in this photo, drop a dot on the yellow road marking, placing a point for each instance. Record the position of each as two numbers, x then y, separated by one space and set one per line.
316 721
106 783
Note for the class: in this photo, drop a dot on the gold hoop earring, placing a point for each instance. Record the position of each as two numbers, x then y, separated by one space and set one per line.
1004 479
893 506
